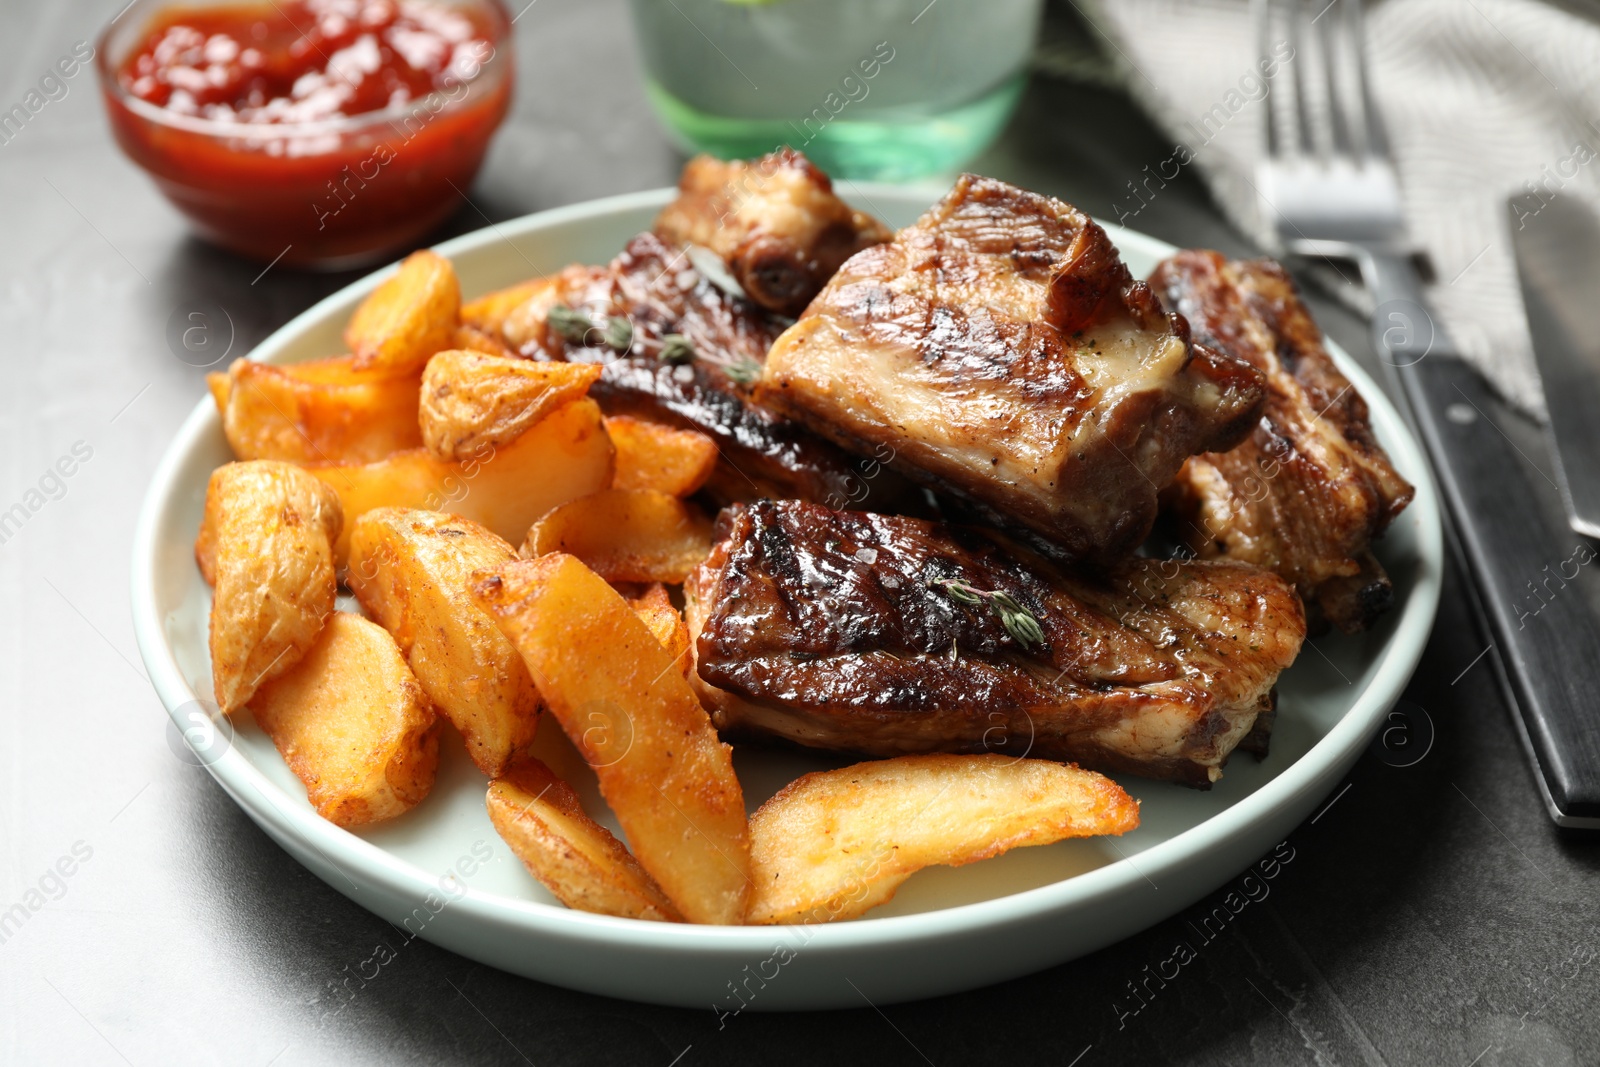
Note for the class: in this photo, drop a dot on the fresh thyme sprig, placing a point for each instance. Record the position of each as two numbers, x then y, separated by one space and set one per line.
1018 621
745 372
575 326
619 334
676 349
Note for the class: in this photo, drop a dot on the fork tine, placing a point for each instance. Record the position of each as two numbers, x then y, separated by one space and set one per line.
1329 41
1288 132
1261 12
1306 141
1352 118
1376 145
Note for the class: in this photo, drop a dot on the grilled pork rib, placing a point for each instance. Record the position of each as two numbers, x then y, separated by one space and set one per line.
654 287
774 220
1308 490
1000 347
883 635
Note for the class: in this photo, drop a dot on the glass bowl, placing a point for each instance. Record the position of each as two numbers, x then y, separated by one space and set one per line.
331 193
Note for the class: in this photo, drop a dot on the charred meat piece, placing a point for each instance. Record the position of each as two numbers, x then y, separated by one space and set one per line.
885 635
700 380
1309 489
1002 350
775 221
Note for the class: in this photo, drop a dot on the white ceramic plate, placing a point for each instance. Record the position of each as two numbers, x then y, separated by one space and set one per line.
443 873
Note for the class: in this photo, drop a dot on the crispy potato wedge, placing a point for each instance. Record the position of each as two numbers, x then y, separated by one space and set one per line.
488 312
655 607
318 412
573 856
651 455
834 844
408 318
266 547
472 399
526 325
410 569
626 535
353 724
474 339
565 456
620 700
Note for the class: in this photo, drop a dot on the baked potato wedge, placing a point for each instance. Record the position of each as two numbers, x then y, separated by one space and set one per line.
410 316
651 455
574 857
488 312
626 535
266 547
564 456
626 707
474 339
323 411
655 607
471 400
410 569
835 844
353 724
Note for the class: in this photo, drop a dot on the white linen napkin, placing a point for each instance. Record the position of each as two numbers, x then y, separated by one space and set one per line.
1481 99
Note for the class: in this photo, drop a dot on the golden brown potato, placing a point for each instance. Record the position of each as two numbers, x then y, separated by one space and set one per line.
623 704
353 724
653 456
319 412
834 844
410 570
471 399
566 455
526 325
626 535
266 547
488 312
408 318
576 858
655 607
474 339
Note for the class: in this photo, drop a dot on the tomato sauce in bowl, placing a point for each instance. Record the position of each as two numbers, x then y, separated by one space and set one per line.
309 132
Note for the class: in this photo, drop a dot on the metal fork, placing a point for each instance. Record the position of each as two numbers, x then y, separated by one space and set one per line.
1330 187
1326 180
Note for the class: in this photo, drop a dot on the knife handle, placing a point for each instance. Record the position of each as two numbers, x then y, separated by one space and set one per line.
1540 621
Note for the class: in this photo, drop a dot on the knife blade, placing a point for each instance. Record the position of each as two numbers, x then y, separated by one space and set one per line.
1557 243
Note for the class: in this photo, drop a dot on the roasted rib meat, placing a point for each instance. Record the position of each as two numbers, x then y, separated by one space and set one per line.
883 635
653 286
1308 490
1000 347
775 221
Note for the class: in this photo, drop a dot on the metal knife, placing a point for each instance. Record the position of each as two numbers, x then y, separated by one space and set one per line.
1557 245
1545 635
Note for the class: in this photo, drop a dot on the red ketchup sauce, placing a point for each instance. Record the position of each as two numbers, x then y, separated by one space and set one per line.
322 131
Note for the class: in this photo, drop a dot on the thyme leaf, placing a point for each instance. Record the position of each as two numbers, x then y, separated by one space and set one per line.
745 372
619 334
676 349
1018 621
570 323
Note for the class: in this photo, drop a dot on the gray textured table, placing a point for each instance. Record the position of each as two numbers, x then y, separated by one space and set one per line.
1431 914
